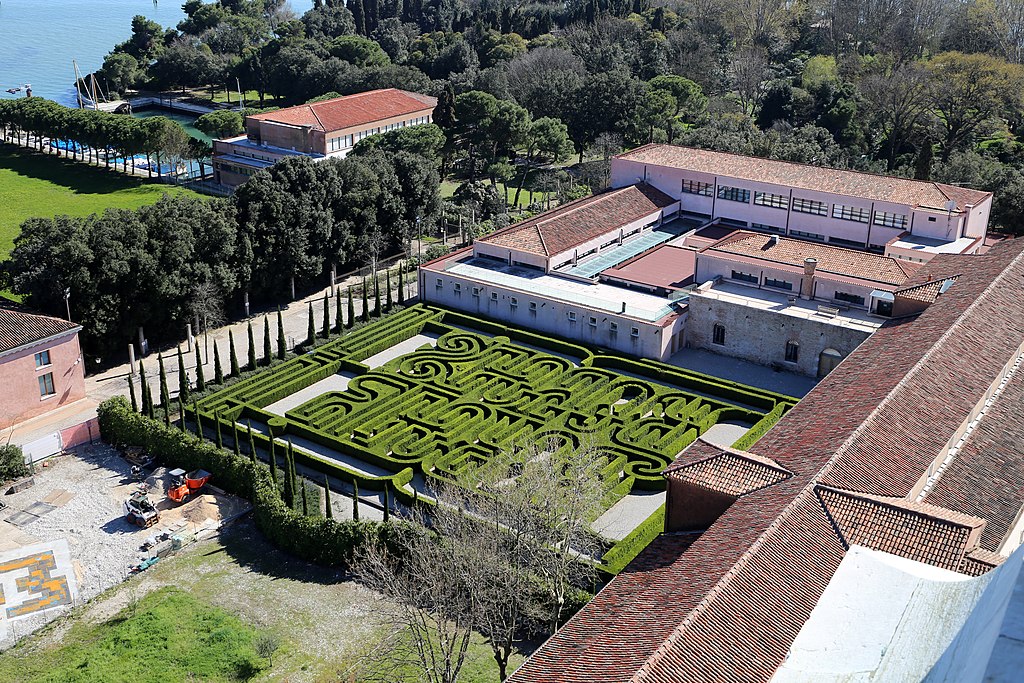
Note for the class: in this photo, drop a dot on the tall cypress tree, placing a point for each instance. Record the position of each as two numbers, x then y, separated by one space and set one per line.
351 320
289 483
376 296
131 393
338 320
181 414
444 112
165 395
200 375
183 387
273 462
401 285
358 16
355 501
252 348
218 371
147 392
311 328
387 503
268 351
328 512
366 305
220 438
282 344
305 499
325 332
252 445
199 419
389 302
233 356
234 438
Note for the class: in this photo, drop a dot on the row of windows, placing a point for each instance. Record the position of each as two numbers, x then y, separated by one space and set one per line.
768 228
810 206
890 220
792 347
850 213
696 187
733 194
849 298
744 277
777 201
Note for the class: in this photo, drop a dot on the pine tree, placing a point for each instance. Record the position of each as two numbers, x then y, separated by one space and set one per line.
131 392
351 319
387 503
218 371
165 395
235 370
183 388
289 482
355 501
338 321
252 445
273 462
305 499
366 305
220 438
401 285
268 351
199 420
388 302
282 344
311 328
200 375
328 512
326 331
252 348
376 296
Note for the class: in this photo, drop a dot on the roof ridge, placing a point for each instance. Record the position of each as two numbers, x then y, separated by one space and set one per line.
312 110
936 512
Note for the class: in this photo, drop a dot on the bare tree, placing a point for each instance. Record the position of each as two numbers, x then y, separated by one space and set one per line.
899 100
750 77
208 309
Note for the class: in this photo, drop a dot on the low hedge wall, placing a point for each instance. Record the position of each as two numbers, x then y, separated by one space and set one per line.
623 552
315 539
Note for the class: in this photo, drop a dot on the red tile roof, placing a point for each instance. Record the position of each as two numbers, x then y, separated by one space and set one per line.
927 292
728 606
914 193
574 223
831 259
20 328
351 110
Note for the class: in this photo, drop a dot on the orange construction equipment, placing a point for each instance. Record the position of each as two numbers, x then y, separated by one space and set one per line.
184 486
140 511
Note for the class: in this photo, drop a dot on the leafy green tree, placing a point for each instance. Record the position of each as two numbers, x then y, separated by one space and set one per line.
220 437
224 123
358 50
272 457
389 302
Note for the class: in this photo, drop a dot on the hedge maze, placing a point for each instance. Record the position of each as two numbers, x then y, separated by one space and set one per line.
441 411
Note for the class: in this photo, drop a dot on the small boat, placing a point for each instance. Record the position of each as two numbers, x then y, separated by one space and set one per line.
14 90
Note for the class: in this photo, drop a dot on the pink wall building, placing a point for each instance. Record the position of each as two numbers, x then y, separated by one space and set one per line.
41 365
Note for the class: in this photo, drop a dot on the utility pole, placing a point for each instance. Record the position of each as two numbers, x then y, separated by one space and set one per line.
67 301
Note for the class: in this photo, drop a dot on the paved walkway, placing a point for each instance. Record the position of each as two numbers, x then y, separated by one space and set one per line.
338 382
626 515
725 434
737 370
401 349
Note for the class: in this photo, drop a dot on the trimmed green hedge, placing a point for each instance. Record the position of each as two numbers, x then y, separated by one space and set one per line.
623 552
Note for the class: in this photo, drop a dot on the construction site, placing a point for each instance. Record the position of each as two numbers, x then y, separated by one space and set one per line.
83 522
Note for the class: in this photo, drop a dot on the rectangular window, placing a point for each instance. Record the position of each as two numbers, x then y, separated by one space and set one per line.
767 228
533 306
777 284
718 334
634 332
810 206
890 220
792 352
42 359
476 292
513 302
46 385
850 213
849 298
807 235
613 327
572 316
593 321
845 243
494 296
440 283
458 288
696 187
744 277
776 201
733 194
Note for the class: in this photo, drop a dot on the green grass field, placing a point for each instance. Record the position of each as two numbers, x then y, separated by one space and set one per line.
36 185
169 635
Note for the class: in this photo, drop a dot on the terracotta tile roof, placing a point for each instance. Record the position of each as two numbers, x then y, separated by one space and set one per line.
927 292
18 327
834 260
728 606
980 561
351 110
985 478
574 223
726 470
914 193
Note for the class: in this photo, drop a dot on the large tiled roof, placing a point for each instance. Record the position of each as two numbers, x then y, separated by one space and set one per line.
731 604
802 176
20 328
834 260
574 223
351 110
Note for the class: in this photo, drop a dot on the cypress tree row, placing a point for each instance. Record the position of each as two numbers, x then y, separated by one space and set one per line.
328 512
131 393
350 321
252 445
268 352
273 463
401 285
311 328
183 388
252 349
218 371
388 301
326 331
282 344
235 370
355 501
365 317
376 297
305 500
200 375
338 320
165 395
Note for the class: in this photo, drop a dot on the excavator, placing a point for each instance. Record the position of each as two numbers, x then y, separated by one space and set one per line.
184 486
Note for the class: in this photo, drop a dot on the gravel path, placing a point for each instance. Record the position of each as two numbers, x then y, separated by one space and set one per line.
338 382
401 349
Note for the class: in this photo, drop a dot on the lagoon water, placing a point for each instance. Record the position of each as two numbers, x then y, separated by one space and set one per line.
39 38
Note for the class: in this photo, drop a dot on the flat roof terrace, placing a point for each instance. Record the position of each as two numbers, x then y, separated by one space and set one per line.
631 246
780 303
665 267
595 296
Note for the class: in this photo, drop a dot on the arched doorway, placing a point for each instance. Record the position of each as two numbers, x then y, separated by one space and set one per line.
827 361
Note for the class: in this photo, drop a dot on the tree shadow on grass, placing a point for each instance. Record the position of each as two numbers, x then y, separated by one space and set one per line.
75 176
246 545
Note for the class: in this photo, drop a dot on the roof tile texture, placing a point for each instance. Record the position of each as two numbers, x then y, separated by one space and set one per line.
351 110
18 328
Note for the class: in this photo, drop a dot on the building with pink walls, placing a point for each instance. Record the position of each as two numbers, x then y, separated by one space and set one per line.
41 365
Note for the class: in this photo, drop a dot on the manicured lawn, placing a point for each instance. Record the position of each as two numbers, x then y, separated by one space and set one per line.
34 185
169 635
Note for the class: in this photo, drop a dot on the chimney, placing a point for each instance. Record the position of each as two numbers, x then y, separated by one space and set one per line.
807 284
